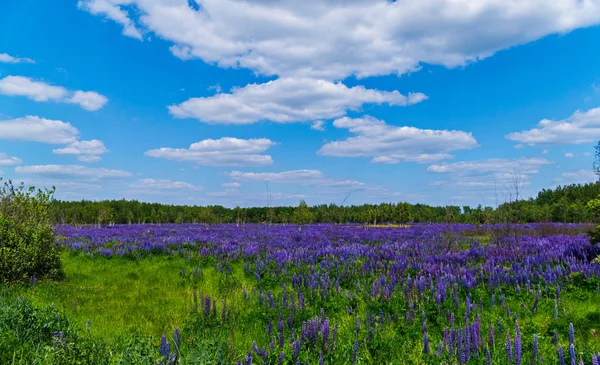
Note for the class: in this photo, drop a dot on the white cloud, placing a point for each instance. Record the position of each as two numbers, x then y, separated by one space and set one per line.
569 155
545 152
233 185
220 152
492 173
153 185
576 177
113 10
36 129
318 125
581 127
6 160
287 100
334 39
34 90
6 58
299 177
390 144
72 172
587 154
86 151
42 92
88 100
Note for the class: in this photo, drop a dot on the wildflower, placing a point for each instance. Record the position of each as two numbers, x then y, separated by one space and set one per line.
509 353
571 334
535 349
561 356
176 337
164 347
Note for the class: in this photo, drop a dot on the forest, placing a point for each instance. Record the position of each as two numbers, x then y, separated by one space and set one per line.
562 204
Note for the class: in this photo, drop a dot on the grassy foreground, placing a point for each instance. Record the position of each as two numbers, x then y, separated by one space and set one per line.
113 309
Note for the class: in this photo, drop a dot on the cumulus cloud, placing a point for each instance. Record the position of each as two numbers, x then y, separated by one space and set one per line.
72 172
42 92
390 144
569 155
576 177
299 177
225 151
163 185
6 58
491 173
318 125
88 100
287 100
6 160
333 39
581 127
86 151
36 129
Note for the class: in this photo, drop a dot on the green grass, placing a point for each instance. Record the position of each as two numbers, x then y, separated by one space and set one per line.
132 302
119 296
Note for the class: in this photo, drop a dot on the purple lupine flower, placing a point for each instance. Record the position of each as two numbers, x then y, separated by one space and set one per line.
270 327
572 353
440 350
488 357
295 350
518 346
595 360
325 332
249 358
281 358
355 352
571 334
321 359
509 353
207 306
500 325
176 337
535 304
555 338
425 343
164 347
561 356
335 328
535 349
357 325
492 336
280 328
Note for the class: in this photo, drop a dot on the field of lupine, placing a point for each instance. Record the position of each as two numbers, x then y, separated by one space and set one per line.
326 294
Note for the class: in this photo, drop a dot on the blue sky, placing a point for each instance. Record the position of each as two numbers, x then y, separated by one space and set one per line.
253 103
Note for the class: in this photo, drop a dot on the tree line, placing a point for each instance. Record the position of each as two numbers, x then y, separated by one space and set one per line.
562 204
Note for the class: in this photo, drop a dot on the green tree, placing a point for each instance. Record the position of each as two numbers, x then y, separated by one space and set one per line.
27 246
302 214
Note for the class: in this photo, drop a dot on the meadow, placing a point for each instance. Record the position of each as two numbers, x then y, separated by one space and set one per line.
313 294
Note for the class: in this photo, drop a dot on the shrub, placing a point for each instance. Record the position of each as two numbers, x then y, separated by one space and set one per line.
27 246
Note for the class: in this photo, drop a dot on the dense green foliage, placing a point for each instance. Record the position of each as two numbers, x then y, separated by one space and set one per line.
27 247
562 204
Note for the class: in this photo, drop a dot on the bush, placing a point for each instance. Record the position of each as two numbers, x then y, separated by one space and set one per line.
27 246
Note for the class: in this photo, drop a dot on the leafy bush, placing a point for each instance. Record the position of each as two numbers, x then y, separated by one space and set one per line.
27 246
